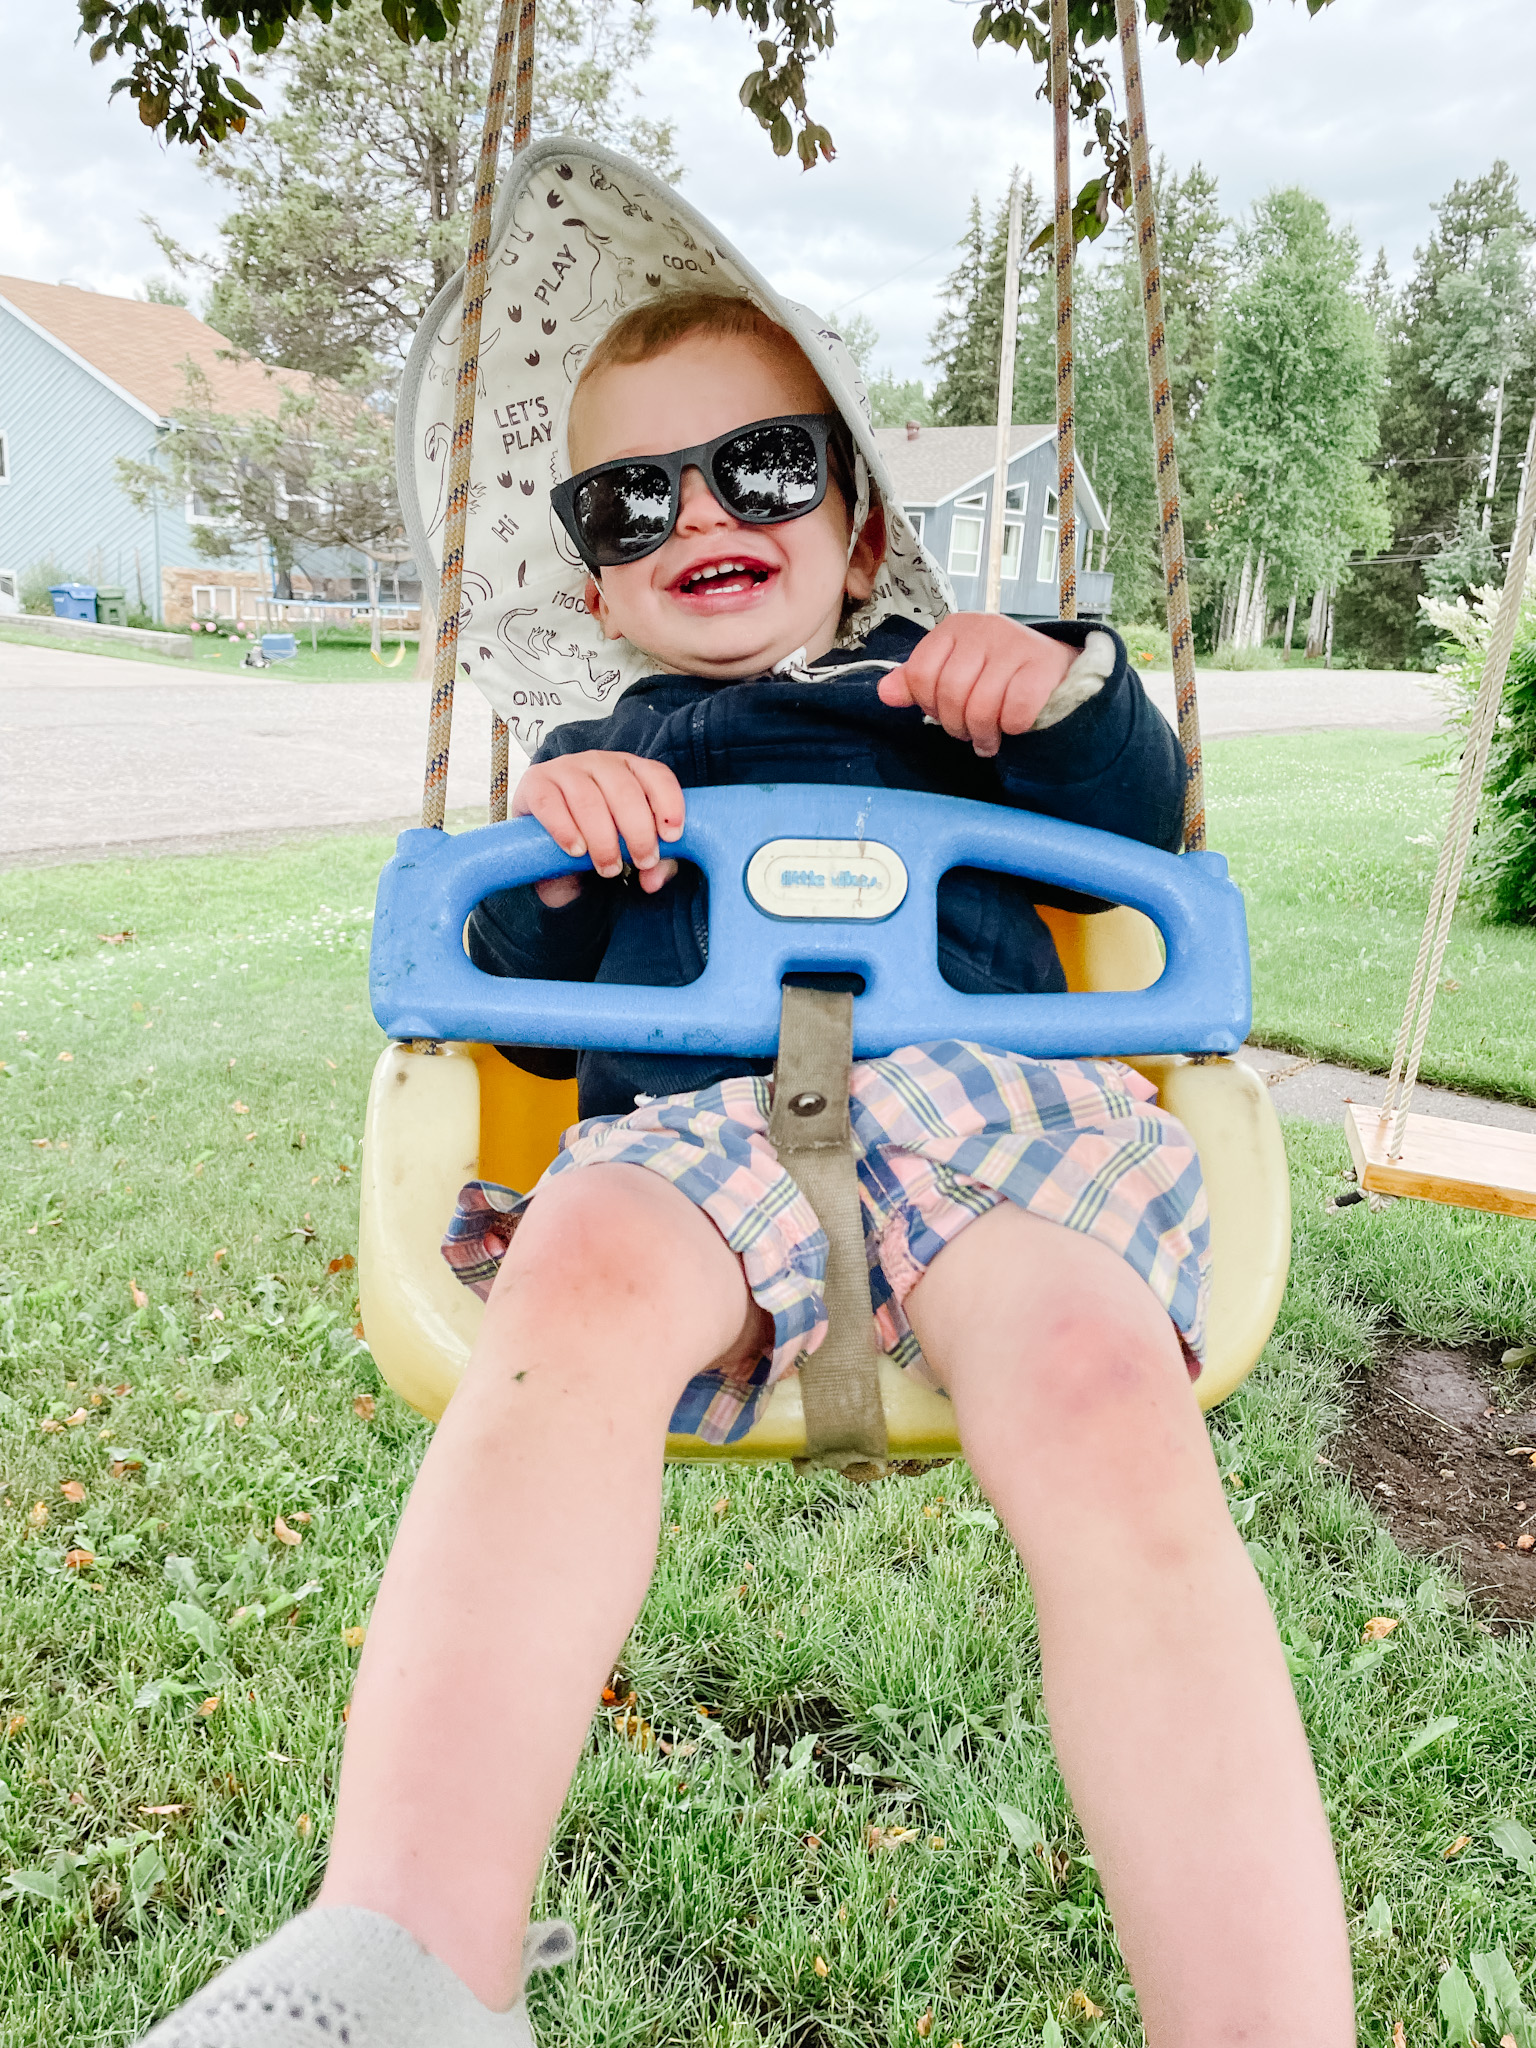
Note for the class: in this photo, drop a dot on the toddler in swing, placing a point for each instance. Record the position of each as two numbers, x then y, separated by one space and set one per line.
1035 1230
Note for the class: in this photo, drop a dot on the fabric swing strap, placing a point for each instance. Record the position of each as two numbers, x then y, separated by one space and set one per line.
810 1130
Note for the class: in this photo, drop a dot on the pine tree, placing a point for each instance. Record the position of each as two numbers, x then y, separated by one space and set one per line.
1434 445
967 338
1295 404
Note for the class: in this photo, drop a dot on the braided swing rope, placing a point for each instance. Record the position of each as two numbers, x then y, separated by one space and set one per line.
1458 832
434 795
1066 453
522 128
1180 626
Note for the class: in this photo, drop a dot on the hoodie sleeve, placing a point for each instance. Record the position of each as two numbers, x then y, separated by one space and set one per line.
1114 763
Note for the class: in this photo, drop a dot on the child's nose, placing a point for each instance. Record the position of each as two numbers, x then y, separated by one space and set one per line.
698 509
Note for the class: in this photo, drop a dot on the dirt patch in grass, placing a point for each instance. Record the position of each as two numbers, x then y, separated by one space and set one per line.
1447 1455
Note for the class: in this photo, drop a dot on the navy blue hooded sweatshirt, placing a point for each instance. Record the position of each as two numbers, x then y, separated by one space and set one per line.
1113 763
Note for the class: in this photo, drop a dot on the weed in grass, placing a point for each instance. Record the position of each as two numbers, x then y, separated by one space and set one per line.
870 1780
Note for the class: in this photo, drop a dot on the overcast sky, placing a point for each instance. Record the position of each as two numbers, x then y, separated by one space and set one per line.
1366 105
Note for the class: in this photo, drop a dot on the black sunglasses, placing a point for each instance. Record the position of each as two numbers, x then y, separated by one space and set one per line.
763 473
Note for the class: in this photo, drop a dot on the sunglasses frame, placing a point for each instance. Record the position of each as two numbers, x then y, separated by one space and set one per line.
820 426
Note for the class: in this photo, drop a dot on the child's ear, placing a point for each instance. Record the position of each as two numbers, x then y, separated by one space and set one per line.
592 597
868 554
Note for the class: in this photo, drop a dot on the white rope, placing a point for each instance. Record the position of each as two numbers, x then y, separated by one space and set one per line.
1458 831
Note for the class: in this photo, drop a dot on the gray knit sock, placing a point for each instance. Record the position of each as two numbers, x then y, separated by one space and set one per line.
342 1975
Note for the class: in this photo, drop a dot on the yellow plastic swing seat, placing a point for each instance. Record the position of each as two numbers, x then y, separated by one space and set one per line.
438 1119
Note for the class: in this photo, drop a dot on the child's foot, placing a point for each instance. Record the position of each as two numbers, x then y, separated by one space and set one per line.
347 1978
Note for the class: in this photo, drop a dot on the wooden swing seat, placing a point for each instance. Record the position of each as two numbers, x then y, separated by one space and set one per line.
1471 1166
439 1118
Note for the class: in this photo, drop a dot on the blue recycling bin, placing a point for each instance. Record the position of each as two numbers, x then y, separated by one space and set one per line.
74 601
279 646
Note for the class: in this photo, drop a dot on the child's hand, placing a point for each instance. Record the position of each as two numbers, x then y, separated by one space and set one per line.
588 802
980 676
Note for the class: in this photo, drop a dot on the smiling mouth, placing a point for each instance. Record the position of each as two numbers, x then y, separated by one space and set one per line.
722 579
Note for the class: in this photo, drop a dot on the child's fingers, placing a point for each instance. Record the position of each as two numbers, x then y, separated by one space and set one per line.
958 678
654 878
540 796
629 806
895 689
663 792
984 709
595 823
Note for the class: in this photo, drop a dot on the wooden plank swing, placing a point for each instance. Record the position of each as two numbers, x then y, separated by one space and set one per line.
1437 1158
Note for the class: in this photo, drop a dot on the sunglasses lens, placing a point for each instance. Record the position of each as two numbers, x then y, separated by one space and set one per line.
768 472
624 512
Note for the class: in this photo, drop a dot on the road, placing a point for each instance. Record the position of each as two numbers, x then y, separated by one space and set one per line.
101 756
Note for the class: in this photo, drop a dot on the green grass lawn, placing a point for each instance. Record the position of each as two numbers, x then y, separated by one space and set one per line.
1334 838
178 1370
340 656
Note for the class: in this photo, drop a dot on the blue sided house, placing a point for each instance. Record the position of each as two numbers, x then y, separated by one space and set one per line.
86 378
944 478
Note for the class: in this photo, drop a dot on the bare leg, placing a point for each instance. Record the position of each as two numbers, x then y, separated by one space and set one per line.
1168 1695
521 1561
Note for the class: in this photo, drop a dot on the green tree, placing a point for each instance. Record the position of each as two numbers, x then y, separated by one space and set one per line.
1295 406
967 338
1434 444
351 204
309 472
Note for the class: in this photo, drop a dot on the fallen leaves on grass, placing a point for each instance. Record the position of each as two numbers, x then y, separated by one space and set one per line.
209 1707
631 1724
15 1724
363 1407
342 1265
354 1638
819 1965
1461 1842
123 938
38 1514
1378 1630
238 1109
303 1827
66 1055
162 1812
877 1838
140 1298
77 1560
1525 1543
1080 2002
721 1507
284 1534
925 2025
1399 2038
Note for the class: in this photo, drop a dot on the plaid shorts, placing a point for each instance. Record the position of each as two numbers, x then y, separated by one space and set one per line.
942 1133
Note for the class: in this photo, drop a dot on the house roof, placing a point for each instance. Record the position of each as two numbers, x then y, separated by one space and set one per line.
141 348
939 461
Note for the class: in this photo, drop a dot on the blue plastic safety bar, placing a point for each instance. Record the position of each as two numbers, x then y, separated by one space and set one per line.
424 985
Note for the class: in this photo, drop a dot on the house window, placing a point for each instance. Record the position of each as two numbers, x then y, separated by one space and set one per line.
8 587
917 516
293 494
215 601
1014 507
966 532
5 461
1050 541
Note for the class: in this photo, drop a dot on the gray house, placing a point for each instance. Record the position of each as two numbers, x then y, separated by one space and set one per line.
86 378
943 476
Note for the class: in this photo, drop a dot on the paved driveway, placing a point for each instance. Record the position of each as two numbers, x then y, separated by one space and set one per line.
100 756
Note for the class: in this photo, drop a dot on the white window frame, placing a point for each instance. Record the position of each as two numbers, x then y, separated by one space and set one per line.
213 592
9 578
210 518
1015 507
916 516
320 499
969 512
1048 568
5 458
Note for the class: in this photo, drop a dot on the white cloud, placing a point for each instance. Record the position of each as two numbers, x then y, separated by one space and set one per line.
1372 105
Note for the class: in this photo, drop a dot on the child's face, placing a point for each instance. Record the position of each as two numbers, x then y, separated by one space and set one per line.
789 580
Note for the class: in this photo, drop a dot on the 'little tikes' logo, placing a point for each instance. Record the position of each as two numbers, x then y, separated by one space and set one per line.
826 878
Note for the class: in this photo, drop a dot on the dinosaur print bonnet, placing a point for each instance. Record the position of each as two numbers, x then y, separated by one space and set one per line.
581 235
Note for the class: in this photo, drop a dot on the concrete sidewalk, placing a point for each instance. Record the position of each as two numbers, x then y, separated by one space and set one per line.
1319 1089
101 756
